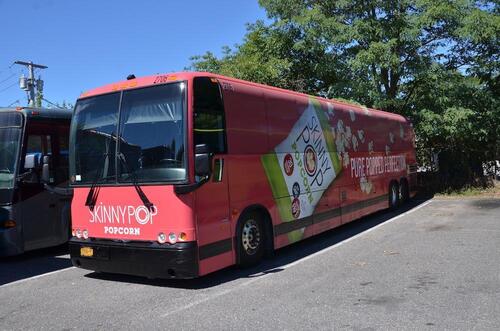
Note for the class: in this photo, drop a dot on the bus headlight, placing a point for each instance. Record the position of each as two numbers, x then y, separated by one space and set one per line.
162 238
172 238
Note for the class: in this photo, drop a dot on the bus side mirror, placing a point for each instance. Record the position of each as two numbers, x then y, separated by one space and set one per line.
30 162
46 169
202 160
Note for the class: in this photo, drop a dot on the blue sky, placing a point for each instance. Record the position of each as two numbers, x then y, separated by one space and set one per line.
90 43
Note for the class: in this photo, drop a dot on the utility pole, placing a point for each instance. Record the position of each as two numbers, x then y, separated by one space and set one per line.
30 84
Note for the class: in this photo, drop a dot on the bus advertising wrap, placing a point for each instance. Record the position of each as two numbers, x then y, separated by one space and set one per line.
320 145
302 166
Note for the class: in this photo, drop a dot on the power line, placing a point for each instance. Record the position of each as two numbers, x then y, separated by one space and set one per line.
52 104
8 87
8 67
6 79
13 103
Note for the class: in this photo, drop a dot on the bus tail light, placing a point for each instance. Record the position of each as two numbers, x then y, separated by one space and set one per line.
9 224
172 238
85 234
78 233
162 238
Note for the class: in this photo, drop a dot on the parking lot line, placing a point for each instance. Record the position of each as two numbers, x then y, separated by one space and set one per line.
35 277
355 236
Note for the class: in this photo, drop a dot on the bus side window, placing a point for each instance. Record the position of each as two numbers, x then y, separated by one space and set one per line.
39 146
209 117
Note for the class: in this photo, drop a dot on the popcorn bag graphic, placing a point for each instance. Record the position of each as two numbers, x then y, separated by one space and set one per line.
302 166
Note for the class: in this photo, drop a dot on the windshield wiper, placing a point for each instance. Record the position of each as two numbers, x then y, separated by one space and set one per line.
148 204
93 193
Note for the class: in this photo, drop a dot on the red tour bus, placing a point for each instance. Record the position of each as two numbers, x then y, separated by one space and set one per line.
180 175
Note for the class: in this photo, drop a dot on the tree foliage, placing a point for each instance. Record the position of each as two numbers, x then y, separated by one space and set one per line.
61 105
434 61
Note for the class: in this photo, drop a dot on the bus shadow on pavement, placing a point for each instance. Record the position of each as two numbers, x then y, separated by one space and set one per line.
33 263
281 258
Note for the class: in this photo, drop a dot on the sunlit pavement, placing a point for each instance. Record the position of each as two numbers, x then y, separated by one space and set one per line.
436 266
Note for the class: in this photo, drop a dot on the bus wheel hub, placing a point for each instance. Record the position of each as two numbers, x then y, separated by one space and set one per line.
250 237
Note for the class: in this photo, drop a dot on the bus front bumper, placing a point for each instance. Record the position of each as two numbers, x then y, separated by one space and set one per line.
146 259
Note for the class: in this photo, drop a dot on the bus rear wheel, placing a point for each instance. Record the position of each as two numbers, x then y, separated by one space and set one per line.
251 239
404 191
393 195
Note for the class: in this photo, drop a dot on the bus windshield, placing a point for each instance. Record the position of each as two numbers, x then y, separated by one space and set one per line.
10 133
135 135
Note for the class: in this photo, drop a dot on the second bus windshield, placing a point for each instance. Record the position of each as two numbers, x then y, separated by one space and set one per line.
149 127
10 133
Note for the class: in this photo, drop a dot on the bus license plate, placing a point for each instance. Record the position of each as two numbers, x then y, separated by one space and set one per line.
86 251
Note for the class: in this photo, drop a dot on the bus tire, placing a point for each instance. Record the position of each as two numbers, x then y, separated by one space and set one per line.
250 239
393 195
404 191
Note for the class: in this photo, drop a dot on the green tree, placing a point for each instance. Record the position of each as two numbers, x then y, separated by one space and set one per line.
277 56
457 118
60 105
38 98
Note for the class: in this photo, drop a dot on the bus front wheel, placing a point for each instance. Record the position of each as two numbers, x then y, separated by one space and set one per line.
251 239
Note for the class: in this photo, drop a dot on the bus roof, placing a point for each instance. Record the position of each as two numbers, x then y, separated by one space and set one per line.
35 112
187 75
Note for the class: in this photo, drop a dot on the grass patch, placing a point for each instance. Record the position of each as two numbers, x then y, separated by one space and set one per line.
490 192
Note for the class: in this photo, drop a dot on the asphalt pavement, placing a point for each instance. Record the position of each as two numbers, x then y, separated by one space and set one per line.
434 264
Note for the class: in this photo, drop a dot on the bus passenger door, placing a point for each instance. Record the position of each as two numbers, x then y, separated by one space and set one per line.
38 206
214 226
212 198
